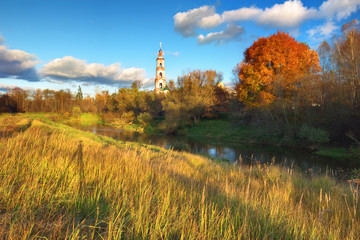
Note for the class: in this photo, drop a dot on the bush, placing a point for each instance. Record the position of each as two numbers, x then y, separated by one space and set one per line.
149 130
76 112
314 135
110 117
128 116
144 119
180 146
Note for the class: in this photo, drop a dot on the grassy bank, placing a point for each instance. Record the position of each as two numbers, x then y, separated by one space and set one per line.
54 186
227 133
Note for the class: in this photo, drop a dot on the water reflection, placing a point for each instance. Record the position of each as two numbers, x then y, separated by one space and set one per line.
247 153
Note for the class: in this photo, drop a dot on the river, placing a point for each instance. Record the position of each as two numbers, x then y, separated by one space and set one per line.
298 158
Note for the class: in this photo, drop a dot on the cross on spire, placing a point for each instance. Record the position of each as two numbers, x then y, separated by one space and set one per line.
160 45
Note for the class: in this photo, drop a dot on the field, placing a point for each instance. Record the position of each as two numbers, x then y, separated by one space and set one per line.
57 182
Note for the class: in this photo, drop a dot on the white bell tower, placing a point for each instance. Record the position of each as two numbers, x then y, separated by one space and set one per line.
160 82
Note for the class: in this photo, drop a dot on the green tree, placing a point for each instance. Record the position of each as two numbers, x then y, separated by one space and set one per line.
79 94
193 97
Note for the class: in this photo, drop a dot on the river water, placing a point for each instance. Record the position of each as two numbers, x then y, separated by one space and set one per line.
299 158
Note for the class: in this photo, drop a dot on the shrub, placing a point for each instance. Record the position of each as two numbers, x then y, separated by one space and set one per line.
144 118
180 146
149 130
128 116
314 135
76 112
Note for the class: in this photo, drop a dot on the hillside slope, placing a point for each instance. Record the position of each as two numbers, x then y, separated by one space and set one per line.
59 182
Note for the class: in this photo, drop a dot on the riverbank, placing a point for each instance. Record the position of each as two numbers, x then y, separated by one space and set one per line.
221 130
59 182
226 132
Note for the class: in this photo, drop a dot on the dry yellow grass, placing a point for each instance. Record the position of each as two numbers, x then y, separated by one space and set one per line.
52 186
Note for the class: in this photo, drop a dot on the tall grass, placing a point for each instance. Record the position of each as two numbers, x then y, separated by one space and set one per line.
54 186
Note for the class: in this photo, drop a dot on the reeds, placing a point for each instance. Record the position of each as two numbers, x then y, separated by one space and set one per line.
54 186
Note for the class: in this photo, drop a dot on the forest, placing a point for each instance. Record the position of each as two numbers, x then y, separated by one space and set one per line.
281 85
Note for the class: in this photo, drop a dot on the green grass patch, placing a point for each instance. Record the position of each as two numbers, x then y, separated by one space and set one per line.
336 153
227 133
89 119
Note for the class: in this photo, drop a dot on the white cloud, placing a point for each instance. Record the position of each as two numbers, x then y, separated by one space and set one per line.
5 87
148 82
324 31
289 14
231 32
242 14
338 9
187 22
210 21
16 63
70 68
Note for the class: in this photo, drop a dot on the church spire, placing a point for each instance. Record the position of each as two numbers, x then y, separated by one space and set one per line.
160 82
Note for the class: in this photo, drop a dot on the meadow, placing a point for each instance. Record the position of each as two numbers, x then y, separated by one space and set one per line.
57 182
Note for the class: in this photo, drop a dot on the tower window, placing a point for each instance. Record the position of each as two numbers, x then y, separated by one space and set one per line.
161 74
160 85
160 64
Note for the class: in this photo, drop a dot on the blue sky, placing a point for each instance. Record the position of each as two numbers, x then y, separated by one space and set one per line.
108 44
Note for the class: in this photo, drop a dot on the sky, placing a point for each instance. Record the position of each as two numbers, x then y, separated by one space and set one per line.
108 44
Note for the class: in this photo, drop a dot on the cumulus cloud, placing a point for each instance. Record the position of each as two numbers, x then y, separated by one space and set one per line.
5 87
73 69
18 64
323 31
210 21
148 82
287 16
186 22
242 14
338 9
231 32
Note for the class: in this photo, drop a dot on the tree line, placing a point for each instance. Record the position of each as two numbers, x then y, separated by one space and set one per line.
281 85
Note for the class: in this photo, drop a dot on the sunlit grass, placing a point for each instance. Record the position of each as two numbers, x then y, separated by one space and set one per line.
138 191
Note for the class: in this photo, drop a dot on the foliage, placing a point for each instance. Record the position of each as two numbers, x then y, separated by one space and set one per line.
7 104
128 116
144 118
180 146
355 173
193 98
274 67
314 135
76 112
79 94
347 57
89 119
149 130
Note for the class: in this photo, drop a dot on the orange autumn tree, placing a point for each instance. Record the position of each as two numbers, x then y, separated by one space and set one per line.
274 67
